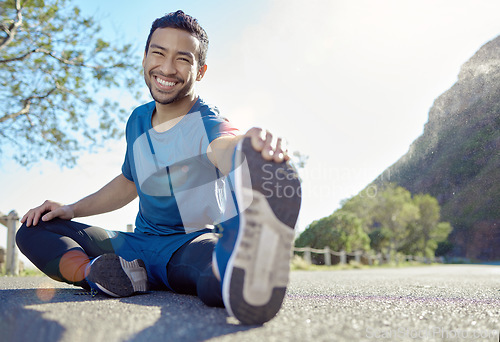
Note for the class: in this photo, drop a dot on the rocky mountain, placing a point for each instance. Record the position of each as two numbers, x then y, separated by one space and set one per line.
457 158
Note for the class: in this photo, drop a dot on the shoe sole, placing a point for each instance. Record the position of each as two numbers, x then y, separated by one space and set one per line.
117 277
257 273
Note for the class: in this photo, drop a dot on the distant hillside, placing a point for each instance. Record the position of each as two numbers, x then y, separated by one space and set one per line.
457 158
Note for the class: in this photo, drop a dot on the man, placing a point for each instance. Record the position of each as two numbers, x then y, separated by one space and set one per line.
194 174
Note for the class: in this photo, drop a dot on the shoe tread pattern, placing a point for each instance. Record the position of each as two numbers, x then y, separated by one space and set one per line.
285 210
107 271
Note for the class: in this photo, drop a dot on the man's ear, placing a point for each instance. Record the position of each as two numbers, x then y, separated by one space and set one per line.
201 72
144 60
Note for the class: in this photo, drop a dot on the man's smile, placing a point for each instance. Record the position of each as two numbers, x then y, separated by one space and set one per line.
165 83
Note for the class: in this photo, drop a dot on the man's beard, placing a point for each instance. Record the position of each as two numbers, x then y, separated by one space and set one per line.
165 101
180 94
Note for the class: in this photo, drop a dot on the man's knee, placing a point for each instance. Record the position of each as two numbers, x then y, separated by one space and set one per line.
22 235
27 235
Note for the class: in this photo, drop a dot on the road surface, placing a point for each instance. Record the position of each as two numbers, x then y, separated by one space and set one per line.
434 303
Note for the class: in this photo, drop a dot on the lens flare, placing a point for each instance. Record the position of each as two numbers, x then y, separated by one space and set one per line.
45 292
72 265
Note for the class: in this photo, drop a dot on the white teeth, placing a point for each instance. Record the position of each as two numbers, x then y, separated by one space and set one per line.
165 83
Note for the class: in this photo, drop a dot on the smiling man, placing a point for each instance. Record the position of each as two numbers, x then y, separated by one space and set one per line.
210 222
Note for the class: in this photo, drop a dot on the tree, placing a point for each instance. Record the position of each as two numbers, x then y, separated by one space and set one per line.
362 205
394 212
426 232
53 64
299 159
380 239
431 230
339 231
397 221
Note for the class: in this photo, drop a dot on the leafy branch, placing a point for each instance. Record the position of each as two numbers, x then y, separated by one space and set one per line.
13 27
57 75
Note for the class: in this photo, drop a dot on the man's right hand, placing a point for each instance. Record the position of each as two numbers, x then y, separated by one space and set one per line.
49 210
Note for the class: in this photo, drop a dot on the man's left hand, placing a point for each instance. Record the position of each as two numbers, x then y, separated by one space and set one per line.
272 147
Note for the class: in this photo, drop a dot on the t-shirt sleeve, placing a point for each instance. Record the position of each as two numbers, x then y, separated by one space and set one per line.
216 126
126 170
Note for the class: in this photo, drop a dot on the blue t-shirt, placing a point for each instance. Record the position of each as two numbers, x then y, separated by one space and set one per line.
180 190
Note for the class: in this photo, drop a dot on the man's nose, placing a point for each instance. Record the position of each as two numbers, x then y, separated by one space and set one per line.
167 67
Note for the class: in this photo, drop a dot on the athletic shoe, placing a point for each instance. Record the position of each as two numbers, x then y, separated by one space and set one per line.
116 276
252 256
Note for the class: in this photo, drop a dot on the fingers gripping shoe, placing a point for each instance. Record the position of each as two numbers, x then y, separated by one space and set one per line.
117 277
252 256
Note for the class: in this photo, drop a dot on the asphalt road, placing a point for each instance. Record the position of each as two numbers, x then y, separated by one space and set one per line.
436 303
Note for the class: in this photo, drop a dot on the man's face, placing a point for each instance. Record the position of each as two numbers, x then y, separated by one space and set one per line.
170 65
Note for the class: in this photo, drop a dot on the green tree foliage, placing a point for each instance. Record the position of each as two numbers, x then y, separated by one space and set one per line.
53 63
380 239
362 205
389 219
426 232
339 231
394 211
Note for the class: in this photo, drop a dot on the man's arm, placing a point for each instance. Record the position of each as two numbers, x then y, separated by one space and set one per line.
221 150
114 195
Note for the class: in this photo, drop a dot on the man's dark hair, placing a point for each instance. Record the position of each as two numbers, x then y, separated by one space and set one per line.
182 21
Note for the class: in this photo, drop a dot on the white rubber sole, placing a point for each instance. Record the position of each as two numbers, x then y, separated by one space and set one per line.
257 272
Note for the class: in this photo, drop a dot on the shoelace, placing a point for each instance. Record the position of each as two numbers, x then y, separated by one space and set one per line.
218 230
92 292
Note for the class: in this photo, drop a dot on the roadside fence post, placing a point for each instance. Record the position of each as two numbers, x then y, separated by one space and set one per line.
328 256
307 255
342 257
12 254
357 256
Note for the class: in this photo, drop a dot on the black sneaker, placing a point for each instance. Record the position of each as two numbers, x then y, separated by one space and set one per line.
252 256
117 277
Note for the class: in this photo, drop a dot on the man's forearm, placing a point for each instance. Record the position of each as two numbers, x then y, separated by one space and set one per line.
221 152
114 195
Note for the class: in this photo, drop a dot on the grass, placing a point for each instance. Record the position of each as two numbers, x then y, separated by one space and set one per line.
27 272
299 263
31 272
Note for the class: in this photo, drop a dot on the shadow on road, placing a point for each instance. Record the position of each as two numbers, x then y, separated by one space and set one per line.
185 318
18 323
181 317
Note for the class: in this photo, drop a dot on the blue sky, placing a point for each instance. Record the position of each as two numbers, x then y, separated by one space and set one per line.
348 83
